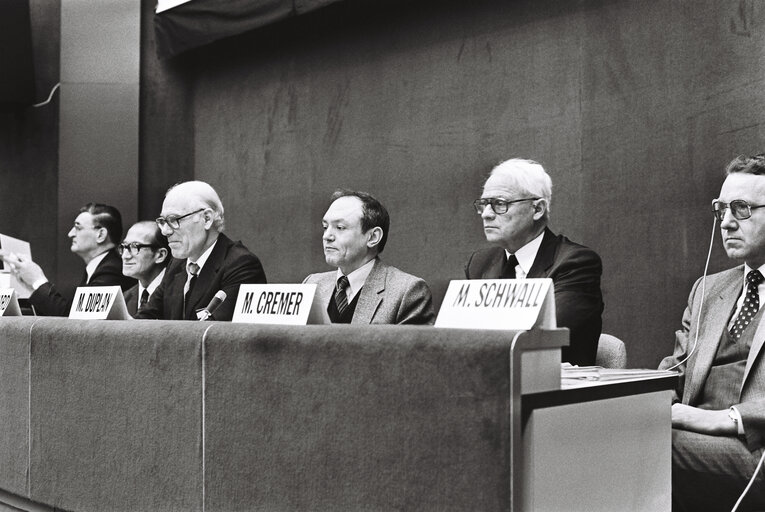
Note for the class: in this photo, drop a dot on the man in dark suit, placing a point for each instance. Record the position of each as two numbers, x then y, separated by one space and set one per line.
145 255
515 208
718 418
363 289
205 260
96 231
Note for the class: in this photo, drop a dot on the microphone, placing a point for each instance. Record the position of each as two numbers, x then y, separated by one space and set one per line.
216 301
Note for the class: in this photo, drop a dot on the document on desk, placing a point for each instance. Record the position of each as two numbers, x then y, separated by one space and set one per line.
569 373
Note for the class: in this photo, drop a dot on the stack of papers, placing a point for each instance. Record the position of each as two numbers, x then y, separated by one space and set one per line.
571 373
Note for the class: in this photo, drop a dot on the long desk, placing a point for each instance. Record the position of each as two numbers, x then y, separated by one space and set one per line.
154 415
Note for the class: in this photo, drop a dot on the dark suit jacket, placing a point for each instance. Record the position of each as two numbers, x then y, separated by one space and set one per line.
722 292
49 302
131 300
229 265
389 296
575 271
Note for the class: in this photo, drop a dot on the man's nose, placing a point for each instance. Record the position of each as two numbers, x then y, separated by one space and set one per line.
728 221
488 212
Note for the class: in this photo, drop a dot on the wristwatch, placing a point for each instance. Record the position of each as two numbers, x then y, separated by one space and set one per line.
733 416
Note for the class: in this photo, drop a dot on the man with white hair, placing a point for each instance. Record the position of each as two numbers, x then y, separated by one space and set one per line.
205 260
515 209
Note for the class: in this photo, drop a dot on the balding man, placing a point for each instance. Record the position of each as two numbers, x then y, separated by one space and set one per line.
206 260
96 231
515 209
145 255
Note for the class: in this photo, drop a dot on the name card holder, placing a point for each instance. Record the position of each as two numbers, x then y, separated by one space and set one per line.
99 303
511 304
282 304
9 303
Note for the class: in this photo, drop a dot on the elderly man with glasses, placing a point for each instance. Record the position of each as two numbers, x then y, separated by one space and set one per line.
515 209
205 260
718 419
145 255
96 231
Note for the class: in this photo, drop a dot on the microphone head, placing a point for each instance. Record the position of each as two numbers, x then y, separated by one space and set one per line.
220 295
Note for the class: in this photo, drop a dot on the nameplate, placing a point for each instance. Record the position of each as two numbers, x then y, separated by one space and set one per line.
9 303
284 304
512 304
99 303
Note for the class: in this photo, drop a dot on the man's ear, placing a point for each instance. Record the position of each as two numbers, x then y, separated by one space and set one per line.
540 208
101 235
161 255
374 236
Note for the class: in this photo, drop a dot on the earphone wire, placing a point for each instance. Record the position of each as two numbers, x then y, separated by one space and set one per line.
703 296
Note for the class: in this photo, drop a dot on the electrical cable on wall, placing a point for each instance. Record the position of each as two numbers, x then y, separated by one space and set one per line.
50 96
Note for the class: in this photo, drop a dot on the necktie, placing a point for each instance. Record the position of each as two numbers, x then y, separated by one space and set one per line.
341 298
192 269
751 304
144 299
508 269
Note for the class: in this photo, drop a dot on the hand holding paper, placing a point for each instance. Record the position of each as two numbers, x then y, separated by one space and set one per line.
23 268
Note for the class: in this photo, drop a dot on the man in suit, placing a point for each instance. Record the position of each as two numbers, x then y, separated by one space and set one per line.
718 418
205 260
145 255
515 208
96 231
363 289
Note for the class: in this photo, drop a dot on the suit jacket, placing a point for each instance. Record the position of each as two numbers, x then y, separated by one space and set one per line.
575 271
389 296
229 265
48 301
717 303
131 300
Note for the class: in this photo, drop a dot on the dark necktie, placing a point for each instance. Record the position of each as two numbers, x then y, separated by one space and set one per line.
341 298
144 299
193 270
508 269
751 304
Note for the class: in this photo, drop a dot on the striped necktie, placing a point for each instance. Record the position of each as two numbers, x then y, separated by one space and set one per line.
341 298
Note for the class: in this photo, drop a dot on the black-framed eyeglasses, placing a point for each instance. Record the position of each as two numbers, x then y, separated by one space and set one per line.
133 248
740 209
498 205
174 221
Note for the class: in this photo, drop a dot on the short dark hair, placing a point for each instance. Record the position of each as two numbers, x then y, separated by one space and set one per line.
747 165
107 217
373 213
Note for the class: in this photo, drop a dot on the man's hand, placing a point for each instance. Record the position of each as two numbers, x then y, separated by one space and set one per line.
24 269
714 423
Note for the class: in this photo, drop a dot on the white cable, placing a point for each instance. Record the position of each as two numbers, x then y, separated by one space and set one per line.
751 481
50 96
703 296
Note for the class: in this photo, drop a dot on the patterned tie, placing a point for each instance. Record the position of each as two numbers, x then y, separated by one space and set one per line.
508 269
341 298
751 304
192 269
144 299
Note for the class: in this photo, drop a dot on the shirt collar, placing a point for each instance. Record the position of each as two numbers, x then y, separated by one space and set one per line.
152 285
357 278
90 268
203 258
528 253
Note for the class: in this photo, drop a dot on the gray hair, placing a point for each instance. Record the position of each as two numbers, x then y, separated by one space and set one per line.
207 197
528 176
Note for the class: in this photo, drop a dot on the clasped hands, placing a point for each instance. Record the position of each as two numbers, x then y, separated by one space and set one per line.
714 423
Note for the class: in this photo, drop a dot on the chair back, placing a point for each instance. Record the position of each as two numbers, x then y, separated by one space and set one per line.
611 352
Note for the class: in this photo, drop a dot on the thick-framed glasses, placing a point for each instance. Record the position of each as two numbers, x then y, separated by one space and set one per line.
740 209
174 221
133 248
499 206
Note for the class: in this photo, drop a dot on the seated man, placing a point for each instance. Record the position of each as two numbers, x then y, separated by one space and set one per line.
515 208
205 260
97 230
363 289
145 255
718 420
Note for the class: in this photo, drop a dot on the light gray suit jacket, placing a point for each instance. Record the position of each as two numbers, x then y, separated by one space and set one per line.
389 296
717 303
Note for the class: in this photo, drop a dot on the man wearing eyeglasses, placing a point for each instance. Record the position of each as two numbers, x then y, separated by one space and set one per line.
205 259
515 209
718 418
96 231
145 255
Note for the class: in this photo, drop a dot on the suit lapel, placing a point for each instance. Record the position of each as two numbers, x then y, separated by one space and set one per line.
207 277
754 351
714 322
370 296
494 269
545 256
